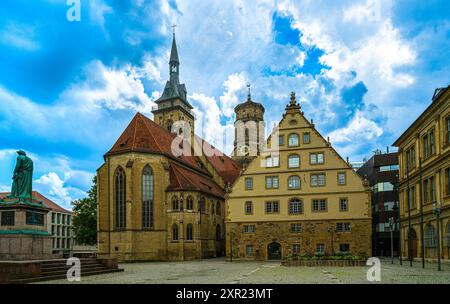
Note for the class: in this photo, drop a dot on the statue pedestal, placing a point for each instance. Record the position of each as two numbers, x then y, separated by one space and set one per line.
23 230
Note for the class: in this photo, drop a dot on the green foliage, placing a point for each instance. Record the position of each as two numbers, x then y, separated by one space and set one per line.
85 217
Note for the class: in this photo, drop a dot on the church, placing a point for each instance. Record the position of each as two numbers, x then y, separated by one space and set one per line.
291 194
154 203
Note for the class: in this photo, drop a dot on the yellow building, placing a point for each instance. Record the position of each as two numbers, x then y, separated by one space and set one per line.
302 199
427 141
154 204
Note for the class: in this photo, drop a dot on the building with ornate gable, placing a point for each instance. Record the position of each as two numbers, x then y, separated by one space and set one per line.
300 199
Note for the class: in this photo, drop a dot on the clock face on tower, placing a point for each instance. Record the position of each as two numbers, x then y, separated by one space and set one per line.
174 69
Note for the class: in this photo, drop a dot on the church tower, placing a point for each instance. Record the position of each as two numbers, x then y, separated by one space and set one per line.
249 130
173 106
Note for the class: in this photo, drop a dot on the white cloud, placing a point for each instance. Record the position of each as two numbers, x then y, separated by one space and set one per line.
358 129
369 11
229 99
21 36
97 11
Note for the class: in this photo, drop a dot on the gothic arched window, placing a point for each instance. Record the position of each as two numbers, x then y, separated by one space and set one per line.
430 237
175 232
175 203
120 198
189 232
190 203
202 205
218 208
147 197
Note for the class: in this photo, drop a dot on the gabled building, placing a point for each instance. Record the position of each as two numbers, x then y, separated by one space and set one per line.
300 199
156 204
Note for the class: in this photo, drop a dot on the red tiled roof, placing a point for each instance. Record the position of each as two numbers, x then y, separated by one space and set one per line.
48 203
227 168
144 135
182 178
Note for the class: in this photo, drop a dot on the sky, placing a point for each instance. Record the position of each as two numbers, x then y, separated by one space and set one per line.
362 70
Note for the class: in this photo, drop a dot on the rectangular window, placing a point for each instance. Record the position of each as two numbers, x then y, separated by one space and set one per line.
318 180
425 147
249 249
426 192
432 189
249 207
53 217
344 247
316 158
59 218
320 248
296 228
382 187
272 207
296 248
412 197
34 218
342 180
249 228
272 161
389 168
447 181
432 143
272 182
248 183
447 131
343 227
8 218
281 140
68 219
306 138
343 204
319 205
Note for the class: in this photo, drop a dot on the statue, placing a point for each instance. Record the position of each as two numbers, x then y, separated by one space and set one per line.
23 177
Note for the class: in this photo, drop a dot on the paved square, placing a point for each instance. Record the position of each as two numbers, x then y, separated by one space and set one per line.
218 271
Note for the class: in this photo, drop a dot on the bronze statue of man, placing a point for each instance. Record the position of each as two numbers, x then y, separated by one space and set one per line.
23 177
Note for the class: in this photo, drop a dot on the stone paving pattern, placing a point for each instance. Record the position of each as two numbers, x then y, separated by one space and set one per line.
218 271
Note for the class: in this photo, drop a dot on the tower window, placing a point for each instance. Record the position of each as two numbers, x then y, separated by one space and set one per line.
293 140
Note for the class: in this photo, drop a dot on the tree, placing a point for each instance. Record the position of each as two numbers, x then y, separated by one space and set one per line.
85 217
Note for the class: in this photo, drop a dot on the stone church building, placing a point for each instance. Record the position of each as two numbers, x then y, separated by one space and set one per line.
154 204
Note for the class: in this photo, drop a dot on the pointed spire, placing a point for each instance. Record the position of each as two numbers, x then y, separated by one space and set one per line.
293 101
174 51
249 96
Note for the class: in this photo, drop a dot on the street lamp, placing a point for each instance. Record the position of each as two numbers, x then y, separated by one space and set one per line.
391 228
437 211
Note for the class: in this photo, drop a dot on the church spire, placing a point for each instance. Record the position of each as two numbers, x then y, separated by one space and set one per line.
174 64
174 51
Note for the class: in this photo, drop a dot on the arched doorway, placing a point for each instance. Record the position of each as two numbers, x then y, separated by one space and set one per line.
274 251
413 235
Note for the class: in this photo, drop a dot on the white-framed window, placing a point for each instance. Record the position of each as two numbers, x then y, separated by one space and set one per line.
281 140
294 161
249 228
343 227
319 205
293 140
249 207
272 182
342 178
272 207
316 158
272 161
306 138
320 248
248 183
294 182
295 206
318 180
296 228
343 204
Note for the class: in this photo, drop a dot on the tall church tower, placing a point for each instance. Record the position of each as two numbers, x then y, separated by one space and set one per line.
248 130
173 105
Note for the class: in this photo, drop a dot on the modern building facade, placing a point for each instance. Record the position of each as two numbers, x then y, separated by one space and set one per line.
426 145
381 170
157 199
301 198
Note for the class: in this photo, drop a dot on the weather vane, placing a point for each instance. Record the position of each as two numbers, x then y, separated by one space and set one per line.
249 93
174 25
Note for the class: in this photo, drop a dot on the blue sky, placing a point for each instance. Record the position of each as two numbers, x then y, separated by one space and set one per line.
68 89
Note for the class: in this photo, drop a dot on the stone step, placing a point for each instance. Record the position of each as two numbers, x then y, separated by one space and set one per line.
64 271
62 276
66 268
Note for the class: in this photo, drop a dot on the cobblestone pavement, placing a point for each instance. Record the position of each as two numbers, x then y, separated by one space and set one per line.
218 271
